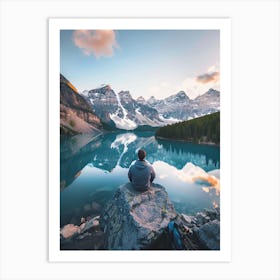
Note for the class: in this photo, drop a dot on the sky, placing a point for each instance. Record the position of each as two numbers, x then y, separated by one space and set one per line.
145 62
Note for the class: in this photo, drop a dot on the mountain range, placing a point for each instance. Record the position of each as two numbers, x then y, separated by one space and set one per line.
102 108
128 113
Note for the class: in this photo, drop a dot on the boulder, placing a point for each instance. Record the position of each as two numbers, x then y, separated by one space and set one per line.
209 235
87 236
70 230
187 219
200 232
135 220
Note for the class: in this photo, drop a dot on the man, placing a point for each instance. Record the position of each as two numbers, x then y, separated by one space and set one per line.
141 174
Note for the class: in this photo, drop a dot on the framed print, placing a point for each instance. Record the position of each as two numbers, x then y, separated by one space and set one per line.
55 186
139 139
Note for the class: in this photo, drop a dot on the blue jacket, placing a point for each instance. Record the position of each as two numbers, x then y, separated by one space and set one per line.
141 174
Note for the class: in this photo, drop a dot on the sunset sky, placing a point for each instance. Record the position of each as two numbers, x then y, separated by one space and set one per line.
145 62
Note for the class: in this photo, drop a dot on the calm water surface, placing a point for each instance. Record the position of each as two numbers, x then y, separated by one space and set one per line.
92 167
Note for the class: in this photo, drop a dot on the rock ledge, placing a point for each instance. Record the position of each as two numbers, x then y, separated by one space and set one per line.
134 220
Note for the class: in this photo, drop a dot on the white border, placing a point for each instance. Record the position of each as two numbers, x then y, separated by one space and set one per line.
55 25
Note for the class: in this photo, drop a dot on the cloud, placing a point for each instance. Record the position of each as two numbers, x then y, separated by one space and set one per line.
198 85
96 42
213 68
194 87
208 77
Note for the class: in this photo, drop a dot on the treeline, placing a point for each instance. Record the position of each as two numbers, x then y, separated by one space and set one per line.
145 128
204 129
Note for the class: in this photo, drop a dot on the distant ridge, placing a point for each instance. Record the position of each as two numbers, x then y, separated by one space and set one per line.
128 113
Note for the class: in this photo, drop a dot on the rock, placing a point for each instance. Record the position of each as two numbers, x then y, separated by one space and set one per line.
87 236
201 218
186 218
69 231
82 226
83 235
91 224
135 220
212 214
209 235
86 241
186 230
207 218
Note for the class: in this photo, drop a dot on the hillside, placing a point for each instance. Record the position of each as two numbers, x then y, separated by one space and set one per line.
205 129
76 115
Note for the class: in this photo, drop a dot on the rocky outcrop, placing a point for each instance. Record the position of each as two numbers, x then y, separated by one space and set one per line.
76 115
86 236
200 232
136 220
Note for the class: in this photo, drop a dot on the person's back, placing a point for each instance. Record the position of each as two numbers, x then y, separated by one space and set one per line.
141 173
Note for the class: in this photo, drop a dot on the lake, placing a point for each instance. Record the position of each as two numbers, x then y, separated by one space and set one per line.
93 166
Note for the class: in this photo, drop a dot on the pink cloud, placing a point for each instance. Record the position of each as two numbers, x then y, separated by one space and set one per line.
96 42
208 77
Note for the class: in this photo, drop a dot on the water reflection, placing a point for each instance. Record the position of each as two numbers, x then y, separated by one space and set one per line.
110 150
75 154
93 166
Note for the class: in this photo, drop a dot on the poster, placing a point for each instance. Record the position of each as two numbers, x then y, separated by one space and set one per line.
120 86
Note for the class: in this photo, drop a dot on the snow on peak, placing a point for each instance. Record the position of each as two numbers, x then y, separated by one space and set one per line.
141 99
152 100
125 122
169 120
84 93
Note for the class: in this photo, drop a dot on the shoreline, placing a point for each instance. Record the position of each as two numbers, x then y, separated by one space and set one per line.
186 141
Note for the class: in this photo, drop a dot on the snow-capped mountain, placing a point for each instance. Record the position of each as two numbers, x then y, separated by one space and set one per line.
177 106
122 109
127 113
207 103
141 100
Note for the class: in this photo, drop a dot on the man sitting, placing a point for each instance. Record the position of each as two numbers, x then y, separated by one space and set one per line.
141 174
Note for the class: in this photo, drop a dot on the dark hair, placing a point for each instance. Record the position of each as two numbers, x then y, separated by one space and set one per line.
141 154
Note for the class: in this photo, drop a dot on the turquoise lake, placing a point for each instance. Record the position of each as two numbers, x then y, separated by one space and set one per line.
93 166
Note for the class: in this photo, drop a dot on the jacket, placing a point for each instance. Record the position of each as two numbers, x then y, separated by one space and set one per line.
141 174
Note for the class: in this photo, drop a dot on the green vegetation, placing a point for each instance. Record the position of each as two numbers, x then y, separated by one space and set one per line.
145 128
204 129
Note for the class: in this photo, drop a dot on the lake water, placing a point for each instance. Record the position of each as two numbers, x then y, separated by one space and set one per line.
92 167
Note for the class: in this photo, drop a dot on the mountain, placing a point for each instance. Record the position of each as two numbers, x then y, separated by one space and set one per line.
141 100
121 110
76 115
103 101
175 107
207 103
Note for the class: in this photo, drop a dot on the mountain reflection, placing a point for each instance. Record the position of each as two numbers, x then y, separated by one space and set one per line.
107 151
